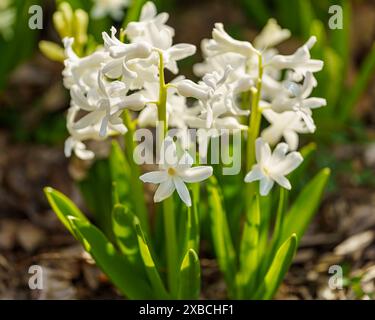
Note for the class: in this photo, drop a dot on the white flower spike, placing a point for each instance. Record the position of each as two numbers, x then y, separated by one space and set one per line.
273 167
174 173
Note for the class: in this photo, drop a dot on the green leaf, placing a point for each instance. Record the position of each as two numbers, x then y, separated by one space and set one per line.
286 16
340 38
249 249
257 10
190 277
125 233
317 29
96 189
302 211
332 71
220 234
120 174
128 279
306 14
365 74
63 207
189 231
21 42
278 269
152 273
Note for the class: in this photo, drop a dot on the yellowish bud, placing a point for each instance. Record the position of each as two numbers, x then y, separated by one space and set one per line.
52 51
81 21
68 16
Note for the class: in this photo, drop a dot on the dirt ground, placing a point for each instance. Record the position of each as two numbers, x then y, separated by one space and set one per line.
343 232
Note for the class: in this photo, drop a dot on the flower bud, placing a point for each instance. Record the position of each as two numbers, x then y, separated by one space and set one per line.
188 88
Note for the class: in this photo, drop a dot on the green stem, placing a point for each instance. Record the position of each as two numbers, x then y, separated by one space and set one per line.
137 195
162 103
255 118
171 245
168 204
253 129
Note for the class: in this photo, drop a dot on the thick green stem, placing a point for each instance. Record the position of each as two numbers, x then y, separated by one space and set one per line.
138 194
253 128
168 205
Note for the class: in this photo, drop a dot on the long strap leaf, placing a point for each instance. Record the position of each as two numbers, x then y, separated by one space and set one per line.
304 207
127 279
152 273
220 235
249 250
278 269
189 276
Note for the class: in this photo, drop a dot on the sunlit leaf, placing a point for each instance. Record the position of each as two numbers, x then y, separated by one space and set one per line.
189 277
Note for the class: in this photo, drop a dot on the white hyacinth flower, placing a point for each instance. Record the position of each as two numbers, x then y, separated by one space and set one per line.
298 100
285 125
151 29
105 105
123 54
82 71
273 166
174 173
113 8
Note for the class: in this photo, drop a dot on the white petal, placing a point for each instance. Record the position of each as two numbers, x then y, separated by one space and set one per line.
181 51
186 161
291 139
182 191
291 162
255 174
196 174
314 103
84 154
148 11
188 88
272 134
279 153
271 35
164 190
104 127
265 186
89 119
263 151
282 181
154 177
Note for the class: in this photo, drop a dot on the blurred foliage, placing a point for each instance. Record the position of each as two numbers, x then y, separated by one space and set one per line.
19 41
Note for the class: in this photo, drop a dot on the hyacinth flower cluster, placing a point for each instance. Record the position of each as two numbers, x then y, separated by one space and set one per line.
121 87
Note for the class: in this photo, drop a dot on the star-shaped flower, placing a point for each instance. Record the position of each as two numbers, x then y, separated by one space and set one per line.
174 173
273 166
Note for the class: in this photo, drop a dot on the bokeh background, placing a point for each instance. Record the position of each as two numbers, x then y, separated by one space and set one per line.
33 102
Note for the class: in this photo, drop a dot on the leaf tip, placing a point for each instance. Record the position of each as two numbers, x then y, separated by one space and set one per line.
48 190
326 171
